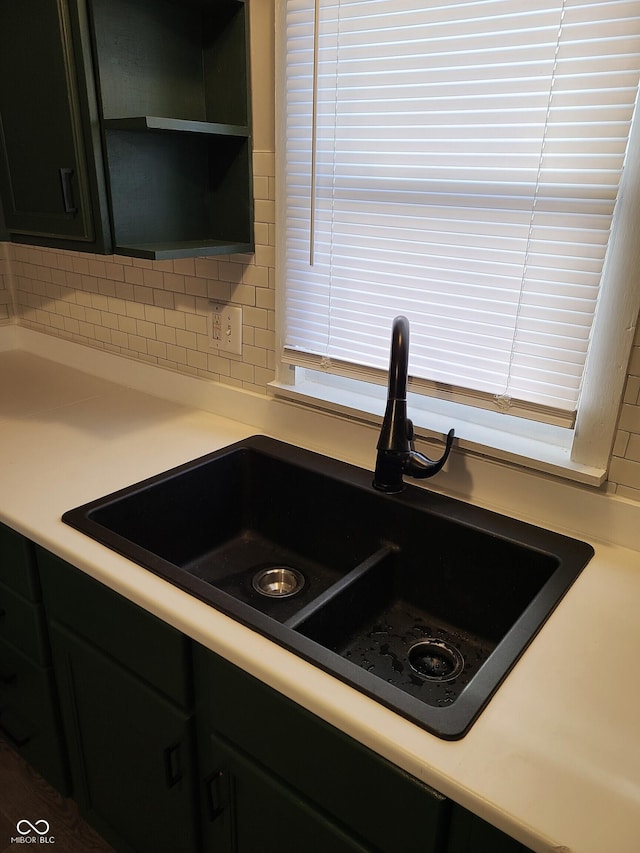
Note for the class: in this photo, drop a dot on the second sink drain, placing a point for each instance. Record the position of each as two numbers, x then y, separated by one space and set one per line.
436 660
278 581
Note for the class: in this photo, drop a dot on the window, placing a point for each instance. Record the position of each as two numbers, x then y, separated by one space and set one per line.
464 164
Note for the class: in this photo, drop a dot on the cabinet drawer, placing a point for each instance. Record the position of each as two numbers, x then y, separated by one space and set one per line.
355 786
130 635
29 717
17 565
22 625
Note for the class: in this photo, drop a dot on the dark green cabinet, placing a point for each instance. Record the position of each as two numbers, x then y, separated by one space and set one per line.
29 717
126 702
125 125
245 804
131 751
312 771
50 167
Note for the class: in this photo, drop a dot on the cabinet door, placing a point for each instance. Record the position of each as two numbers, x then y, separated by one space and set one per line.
131 752
43 165
342 778
22 625
29 717
248 810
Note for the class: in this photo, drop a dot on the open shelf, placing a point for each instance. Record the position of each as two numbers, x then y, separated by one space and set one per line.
186 249
176 123
156 123
180 189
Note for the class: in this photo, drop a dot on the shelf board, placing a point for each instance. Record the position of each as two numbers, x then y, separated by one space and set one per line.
183 249
159 124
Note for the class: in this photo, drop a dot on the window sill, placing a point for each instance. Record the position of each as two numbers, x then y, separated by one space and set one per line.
494 435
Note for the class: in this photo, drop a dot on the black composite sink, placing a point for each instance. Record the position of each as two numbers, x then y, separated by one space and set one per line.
420 601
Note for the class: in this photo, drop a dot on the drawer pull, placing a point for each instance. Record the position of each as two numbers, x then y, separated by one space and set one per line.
216 799
67 192
172 765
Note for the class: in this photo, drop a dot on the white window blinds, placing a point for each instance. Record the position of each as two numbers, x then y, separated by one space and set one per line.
459 163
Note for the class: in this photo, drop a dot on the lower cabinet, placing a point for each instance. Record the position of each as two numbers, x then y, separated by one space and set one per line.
247 809
29 716
173 749
125 693
253 740
131 752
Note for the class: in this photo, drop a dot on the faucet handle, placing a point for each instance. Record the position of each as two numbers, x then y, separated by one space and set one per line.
420 466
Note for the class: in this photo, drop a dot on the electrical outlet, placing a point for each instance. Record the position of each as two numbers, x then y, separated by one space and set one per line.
226 329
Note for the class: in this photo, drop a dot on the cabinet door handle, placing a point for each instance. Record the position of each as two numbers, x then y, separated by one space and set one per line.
172 765
67 191
215 791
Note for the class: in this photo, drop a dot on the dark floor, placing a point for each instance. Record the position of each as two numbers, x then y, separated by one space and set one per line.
25 796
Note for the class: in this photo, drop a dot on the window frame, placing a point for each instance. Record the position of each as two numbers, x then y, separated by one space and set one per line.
581 453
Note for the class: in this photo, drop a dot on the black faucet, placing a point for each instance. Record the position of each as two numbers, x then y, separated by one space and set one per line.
396 453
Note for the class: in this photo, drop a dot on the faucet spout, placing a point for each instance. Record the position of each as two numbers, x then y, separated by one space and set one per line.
394 437
399 360
396 453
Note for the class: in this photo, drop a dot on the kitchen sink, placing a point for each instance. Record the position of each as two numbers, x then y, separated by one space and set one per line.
423 602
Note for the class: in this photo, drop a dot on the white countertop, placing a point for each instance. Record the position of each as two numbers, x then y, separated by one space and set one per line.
554 759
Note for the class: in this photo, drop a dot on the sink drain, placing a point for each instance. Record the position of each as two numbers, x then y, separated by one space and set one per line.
278 581
436 660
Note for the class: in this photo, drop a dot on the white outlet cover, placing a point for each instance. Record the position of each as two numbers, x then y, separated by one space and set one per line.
225 328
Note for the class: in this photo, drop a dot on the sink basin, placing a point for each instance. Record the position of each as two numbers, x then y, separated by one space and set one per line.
215 523
420 601
428 618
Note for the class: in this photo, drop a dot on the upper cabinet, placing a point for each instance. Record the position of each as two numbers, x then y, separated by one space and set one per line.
50 163
163 116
